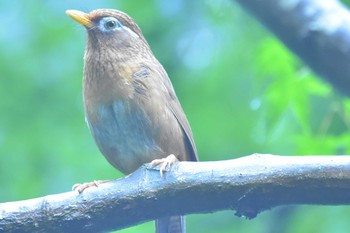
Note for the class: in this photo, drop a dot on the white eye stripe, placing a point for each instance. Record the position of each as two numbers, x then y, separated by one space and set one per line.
133 34
109 24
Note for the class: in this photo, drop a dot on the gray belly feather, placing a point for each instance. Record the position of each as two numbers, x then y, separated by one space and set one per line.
125 136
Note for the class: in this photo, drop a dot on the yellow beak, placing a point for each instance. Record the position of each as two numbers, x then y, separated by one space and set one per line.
80 17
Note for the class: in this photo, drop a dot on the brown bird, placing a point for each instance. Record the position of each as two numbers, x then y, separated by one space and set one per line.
130 105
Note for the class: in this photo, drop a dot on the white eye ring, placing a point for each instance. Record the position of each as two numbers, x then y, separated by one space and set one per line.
109 24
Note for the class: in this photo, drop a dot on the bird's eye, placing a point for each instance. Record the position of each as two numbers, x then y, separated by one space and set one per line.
110 24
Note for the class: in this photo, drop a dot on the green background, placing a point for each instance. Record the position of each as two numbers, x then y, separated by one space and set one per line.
242 90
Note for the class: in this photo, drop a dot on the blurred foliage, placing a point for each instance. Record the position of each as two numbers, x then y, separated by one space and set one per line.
242 90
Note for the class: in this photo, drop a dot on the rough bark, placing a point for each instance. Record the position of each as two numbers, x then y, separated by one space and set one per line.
247 185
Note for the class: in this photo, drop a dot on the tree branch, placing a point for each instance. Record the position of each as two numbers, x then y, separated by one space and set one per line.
317 31
248 185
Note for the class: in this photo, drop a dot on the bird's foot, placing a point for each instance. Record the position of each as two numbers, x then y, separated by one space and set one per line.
81 187
164 162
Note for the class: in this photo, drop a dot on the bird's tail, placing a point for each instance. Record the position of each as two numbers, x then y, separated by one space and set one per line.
172 224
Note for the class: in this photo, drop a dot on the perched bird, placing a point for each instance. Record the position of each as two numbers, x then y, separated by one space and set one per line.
130 105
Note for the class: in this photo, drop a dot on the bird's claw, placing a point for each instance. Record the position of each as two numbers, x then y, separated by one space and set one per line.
164 162
81 187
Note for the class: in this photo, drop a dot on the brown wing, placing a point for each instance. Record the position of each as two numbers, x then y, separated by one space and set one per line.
181 118
179 114
174 105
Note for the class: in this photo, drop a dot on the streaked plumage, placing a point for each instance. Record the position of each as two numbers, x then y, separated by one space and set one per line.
130 104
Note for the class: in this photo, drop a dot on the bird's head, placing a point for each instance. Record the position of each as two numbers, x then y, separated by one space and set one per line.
109 28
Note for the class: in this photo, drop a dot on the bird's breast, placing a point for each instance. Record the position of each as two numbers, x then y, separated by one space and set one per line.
125 134
128 113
